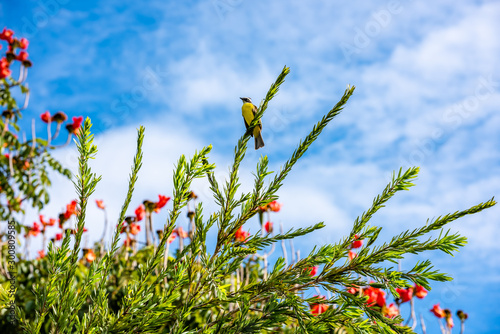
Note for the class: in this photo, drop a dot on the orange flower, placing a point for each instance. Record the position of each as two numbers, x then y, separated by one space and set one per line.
124 228
268 227
139 212
34 230
41 254
438 311
317 309
180 232
135 228
75 231
74 127
90 255
51 222
356 243
241 235
405 294
171 238
420 291
391 311
70 209
352 255
449 322
128 242
100 204
273 206
162 201
353 290
42 220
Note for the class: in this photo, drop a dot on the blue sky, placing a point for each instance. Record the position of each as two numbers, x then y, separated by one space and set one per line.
428 83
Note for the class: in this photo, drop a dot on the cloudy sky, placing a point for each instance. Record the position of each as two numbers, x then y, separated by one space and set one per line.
427 94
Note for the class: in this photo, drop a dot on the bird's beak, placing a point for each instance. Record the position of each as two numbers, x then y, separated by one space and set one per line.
242 98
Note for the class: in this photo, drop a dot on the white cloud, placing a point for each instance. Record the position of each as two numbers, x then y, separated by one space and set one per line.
410 77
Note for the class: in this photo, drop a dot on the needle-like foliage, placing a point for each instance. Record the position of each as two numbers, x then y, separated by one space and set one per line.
228 290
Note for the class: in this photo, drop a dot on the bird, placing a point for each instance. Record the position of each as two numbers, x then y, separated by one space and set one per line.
248 111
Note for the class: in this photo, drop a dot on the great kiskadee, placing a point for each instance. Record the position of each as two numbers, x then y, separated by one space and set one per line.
248 110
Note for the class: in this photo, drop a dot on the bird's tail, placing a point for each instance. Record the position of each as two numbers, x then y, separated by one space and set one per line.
259 142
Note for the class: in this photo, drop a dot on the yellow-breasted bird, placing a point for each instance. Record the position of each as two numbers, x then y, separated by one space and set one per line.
248 110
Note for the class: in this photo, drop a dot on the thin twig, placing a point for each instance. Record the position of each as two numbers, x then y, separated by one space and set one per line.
33 135
283 246
422 324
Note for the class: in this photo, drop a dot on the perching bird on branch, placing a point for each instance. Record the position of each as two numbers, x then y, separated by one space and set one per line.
248 110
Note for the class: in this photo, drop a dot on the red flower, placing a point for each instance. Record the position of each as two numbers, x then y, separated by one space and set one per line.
171 238
352 255
375 296
59 236
52 222
353 290
35 229
46 117
77 122
317 309
41 254
6 35
75 231
4 72
391 311
420 291
100 204
180 232
162 201
139 212
23 43
70 209
274 206
268 227
128 242
124 228
356 243
75 126
22 56
135 228
4 68
405 294
42 220
4 62
312 270
241 235
438 311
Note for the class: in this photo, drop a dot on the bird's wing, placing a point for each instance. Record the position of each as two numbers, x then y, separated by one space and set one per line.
254 110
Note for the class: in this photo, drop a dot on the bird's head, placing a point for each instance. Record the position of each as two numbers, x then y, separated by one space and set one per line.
246 99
